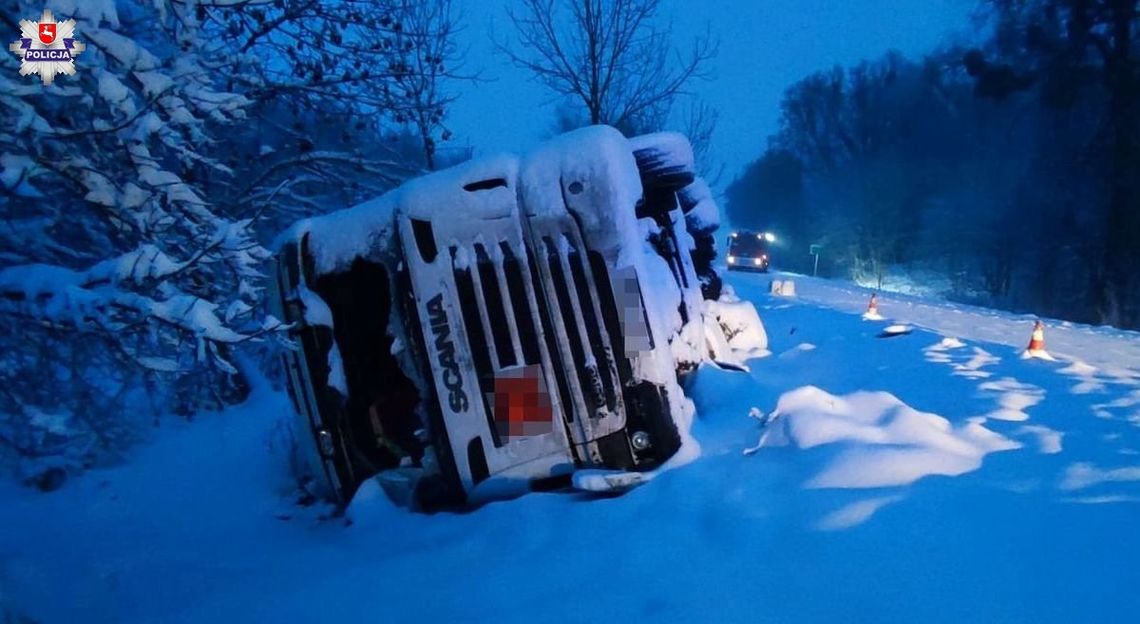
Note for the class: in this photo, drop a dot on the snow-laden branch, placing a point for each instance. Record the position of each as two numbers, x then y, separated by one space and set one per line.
101 296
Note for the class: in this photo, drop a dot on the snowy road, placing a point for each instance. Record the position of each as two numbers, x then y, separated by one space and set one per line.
1111 350
933 476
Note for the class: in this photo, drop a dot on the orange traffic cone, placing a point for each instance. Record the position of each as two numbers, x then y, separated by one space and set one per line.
1037 339
872 313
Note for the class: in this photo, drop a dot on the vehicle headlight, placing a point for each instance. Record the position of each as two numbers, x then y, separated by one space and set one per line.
640 440
770 237
757 261
325 443
731 259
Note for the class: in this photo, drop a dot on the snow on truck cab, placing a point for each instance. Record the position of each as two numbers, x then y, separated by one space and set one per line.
490 329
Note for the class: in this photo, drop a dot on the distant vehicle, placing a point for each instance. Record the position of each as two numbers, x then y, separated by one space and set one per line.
749 251
489 329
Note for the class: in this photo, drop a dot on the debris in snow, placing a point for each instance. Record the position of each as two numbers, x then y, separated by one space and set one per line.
741 324
718 348
895 330
782 288
765 420
608 481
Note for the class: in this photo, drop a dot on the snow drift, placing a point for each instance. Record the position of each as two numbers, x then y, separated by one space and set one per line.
880 441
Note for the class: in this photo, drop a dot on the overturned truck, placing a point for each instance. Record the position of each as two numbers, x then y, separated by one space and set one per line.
492 328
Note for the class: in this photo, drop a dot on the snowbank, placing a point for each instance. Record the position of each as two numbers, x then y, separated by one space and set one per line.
741 325
740 322
883 441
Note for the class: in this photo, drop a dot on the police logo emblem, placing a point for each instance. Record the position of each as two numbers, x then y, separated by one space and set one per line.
47 47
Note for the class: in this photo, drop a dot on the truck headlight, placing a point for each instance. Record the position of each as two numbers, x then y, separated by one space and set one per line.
731 259
325 443
640 440
757 261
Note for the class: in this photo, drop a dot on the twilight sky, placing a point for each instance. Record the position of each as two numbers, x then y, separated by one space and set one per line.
765 45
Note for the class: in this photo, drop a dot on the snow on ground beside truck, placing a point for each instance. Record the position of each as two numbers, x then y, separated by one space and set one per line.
983 487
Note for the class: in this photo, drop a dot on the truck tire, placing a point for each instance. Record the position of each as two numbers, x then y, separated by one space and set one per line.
664 160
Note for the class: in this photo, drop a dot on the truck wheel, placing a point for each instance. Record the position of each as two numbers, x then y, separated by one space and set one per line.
692 195
664 160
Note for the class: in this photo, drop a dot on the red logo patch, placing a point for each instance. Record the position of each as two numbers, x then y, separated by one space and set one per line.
522 406
47 33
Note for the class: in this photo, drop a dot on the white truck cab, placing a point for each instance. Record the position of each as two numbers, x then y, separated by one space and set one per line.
487 325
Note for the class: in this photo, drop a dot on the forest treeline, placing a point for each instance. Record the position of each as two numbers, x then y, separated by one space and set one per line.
1009 169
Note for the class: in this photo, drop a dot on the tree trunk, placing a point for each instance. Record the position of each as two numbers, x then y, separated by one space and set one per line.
1116 297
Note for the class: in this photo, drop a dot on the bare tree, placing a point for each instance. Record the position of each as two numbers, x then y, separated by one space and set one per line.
335 85
426 43
609 56
698 125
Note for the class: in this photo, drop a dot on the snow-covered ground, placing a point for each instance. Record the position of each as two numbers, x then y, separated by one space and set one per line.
929 476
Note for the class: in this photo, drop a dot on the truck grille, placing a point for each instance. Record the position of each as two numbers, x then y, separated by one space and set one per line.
497 314
579 315
502 320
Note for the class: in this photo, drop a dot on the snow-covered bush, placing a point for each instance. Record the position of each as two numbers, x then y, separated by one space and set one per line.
117 272
134 193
